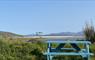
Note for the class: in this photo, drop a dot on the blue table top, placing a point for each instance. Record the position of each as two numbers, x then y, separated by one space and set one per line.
68 41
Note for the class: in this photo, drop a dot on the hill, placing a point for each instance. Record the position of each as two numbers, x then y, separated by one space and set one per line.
59 34
9 34
66 34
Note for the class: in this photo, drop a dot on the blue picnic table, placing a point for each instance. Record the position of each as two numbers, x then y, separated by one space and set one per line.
59 50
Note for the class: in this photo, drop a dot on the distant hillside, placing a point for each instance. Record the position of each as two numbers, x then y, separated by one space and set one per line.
61 34
9 34
66 34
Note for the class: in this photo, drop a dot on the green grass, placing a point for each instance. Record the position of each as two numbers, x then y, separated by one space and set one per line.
19 49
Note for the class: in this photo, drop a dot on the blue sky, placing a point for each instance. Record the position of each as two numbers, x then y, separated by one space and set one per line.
47 16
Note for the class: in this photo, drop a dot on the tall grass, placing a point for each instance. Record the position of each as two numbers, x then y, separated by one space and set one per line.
89 32
19 49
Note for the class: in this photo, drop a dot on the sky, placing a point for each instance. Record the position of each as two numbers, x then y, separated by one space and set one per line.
47 16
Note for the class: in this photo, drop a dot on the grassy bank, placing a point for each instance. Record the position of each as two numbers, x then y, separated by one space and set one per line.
22 49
